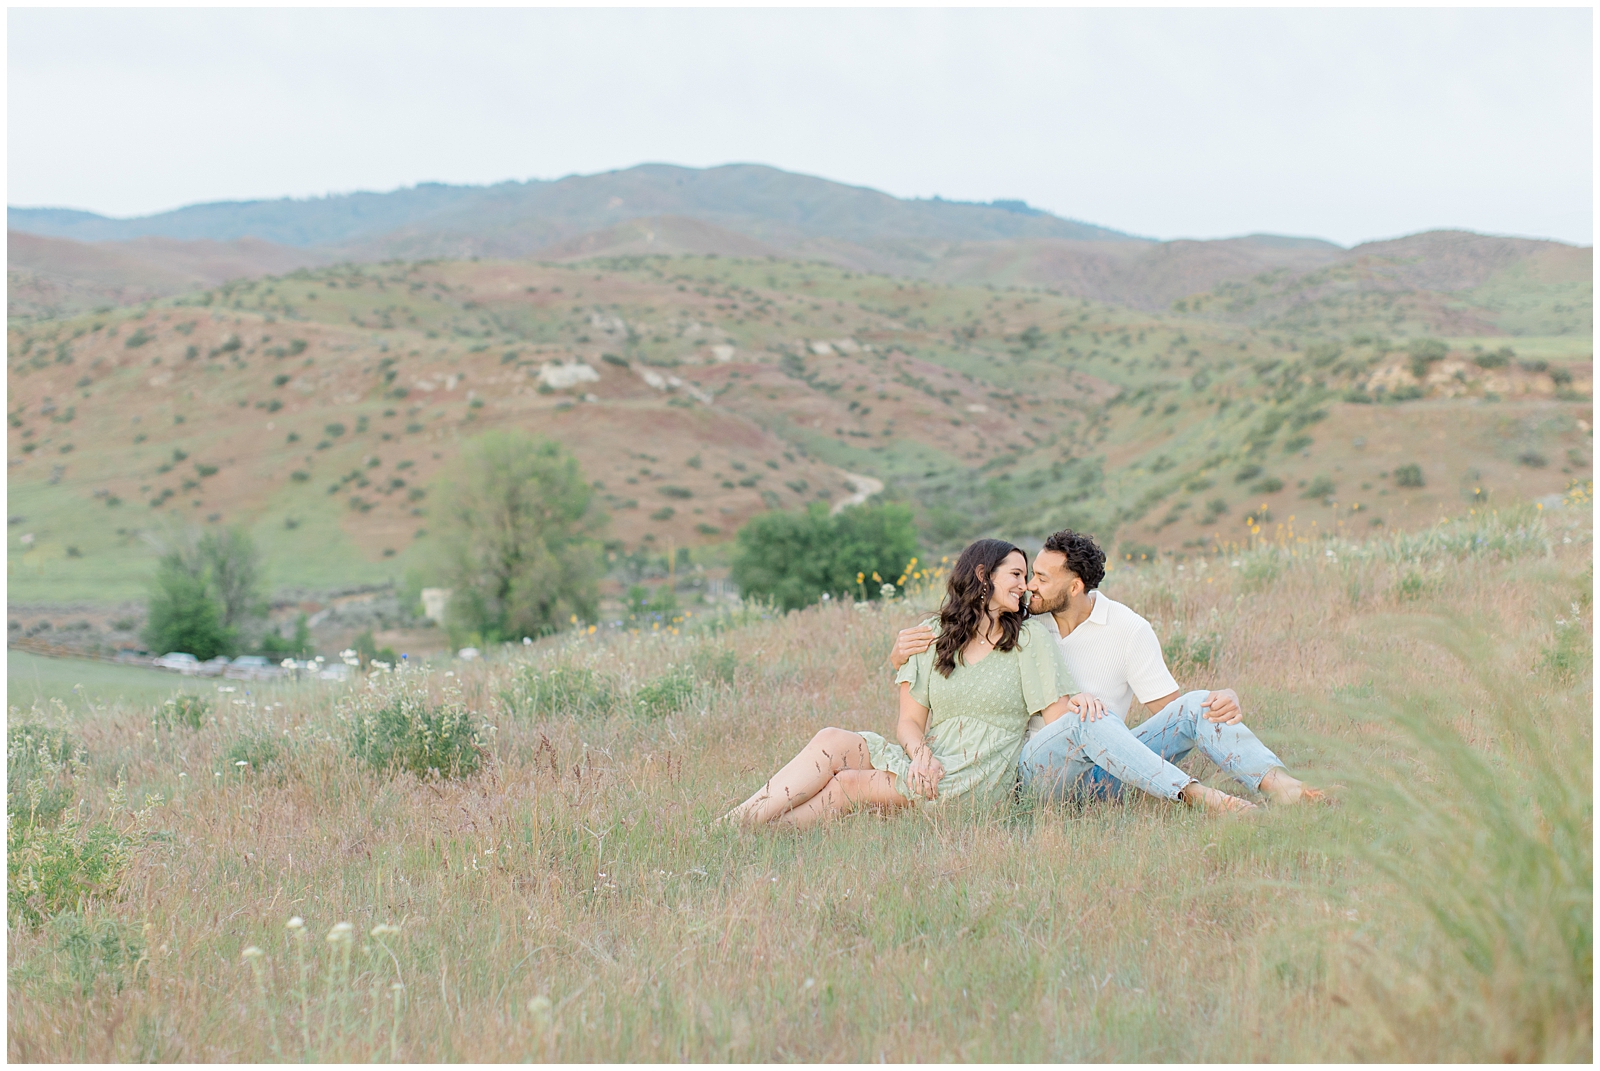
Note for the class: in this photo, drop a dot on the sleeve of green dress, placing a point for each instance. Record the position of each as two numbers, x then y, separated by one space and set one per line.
1045 676
917 670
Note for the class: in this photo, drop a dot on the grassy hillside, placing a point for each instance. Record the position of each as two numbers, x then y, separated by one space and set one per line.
571 900
52 277
319 409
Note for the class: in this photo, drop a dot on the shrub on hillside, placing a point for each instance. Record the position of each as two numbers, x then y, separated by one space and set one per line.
1320 487
88 951
1191 653
1408 476
560 691
796 558
666 694
51 869
39 764
1570 652
401 728
1424 352
255 750
182 711
715 664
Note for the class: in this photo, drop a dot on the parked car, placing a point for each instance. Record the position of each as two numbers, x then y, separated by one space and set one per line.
251 668
213 667
181 661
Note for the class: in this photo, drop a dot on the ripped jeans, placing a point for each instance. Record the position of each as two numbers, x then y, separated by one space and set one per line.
1095 759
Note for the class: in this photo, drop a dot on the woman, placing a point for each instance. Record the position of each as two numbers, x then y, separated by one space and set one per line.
964 704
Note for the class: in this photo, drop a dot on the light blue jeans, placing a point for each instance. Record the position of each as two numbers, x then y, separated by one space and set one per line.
1095 759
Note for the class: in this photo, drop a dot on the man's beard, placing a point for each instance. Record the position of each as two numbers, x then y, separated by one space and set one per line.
1038 606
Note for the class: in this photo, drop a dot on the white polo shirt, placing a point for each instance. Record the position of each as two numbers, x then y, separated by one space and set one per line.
1114 656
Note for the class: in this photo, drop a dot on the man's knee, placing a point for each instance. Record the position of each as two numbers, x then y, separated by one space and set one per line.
1189 703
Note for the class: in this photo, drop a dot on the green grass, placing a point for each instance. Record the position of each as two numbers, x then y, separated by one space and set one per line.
572 899
34 679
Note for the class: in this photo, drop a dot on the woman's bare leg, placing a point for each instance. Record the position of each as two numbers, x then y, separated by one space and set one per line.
846 792
803 776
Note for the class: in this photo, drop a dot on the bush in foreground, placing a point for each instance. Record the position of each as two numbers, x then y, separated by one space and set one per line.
560 691
401 728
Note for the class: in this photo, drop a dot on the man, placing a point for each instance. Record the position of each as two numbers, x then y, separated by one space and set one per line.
1114 655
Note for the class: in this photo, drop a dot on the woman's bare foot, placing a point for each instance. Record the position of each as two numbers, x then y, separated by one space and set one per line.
1279 787
1215 802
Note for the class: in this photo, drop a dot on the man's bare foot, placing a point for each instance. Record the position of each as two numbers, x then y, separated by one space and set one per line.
1214 801
1279 787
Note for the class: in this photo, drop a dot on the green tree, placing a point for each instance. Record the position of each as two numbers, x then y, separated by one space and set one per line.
233 568
182 614
205 595
796 558
518 539
275 645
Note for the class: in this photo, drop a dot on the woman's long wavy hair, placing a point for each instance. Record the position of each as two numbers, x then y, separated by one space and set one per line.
966 599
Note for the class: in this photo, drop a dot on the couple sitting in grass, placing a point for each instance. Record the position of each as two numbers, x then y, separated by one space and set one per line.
991 697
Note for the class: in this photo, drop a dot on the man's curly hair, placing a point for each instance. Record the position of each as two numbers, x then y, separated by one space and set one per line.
1084 556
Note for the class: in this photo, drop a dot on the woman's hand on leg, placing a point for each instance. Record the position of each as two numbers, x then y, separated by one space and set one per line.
925 773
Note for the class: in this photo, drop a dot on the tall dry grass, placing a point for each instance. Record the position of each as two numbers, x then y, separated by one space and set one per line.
573 900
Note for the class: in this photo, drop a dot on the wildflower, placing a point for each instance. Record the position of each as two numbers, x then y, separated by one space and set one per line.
384 928
242 762
527 641
541 1006
251 953
295 924
341 932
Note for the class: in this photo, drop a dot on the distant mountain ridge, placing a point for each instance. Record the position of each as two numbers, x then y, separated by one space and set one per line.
1458 281
761 201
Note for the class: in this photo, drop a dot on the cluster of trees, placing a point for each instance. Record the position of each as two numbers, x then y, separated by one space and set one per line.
796 558
520 533
518 530
206 600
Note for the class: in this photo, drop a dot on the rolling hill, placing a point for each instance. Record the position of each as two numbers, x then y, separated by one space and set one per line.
710 351
1446 282
318 408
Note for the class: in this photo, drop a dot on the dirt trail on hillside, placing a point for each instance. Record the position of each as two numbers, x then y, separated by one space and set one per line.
865 487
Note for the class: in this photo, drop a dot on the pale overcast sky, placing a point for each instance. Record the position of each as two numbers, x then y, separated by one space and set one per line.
1342 124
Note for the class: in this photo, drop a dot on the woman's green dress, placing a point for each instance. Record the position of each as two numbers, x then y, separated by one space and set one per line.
977 715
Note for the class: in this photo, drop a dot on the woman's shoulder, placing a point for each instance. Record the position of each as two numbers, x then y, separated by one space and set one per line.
1034 630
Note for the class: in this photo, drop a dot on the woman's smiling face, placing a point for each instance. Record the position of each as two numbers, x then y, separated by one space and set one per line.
1010 581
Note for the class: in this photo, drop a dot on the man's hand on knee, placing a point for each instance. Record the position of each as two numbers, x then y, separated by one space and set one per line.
1222 707
1086 707
910 641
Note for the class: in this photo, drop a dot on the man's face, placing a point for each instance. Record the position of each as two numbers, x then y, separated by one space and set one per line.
1053 584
